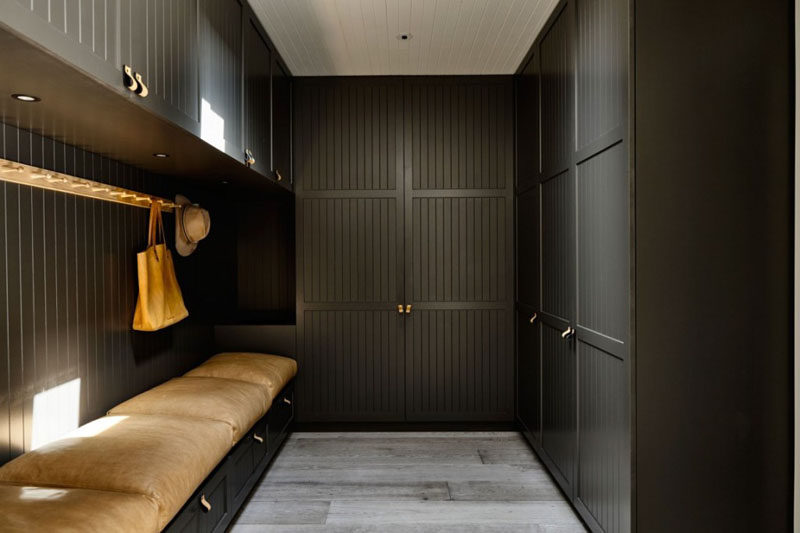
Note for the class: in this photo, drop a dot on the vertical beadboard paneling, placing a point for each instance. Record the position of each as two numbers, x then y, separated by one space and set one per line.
460 249
90 23
220 45
265 275
353 366
557 245
348 134
67 291
159 41
459 365
603 243
604 466
461 134
557 90
257 132
559 404
528 251
350 246
602 67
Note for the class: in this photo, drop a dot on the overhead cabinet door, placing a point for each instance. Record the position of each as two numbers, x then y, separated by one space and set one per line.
158 40
459 249
257 130
281 124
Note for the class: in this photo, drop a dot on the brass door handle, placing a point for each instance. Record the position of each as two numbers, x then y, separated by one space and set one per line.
258 438
287 401
534 316
278 175
568 333
204 503
408 309
248 157
400 308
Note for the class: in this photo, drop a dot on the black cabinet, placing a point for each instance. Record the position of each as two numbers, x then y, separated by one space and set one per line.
529 372
257 130
281 124
527 124
159 41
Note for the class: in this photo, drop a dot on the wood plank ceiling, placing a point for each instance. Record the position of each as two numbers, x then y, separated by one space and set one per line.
361 37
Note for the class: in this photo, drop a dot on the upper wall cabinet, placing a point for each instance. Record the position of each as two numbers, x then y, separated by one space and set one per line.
208 67
159 41
257 98
221 75
281 124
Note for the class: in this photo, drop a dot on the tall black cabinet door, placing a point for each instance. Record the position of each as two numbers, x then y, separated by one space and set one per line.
349 198
559 395
529 373
528 136
459 249
257 130
281 124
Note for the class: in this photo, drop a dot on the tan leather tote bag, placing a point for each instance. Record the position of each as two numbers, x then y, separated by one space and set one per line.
160 302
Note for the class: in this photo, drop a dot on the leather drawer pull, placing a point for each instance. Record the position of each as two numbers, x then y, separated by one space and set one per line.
204 503
259 439
287 401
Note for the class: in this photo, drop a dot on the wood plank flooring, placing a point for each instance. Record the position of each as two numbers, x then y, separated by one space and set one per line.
488 482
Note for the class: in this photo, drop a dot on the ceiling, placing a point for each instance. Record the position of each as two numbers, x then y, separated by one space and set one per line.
360 37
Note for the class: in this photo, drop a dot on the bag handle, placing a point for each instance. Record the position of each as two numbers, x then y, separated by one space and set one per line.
155 227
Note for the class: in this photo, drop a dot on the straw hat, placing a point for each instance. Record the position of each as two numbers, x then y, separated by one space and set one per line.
192 224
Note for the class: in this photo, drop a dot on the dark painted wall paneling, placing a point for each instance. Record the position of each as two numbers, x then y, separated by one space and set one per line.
714 265
441 233
68 289
458 235
348 174
265 256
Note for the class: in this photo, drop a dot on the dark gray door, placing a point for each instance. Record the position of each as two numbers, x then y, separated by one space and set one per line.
458 249
602 488
349 191
257 130
559 402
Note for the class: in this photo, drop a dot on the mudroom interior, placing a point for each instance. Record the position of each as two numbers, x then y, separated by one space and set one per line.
398 265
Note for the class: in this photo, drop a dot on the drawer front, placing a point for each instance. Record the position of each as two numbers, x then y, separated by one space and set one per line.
240 466
280 414
260 437
215 495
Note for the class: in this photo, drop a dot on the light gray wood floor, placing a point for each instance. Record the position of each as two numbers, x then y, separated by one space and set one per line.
454 482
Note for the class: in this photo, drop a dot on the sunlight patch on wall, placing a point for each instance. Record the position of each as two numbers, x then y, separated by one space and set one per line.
56 411
212 126
97 426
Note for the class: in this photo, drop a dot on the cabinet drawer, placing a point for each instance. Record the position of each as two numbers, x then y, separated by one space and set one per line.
240 466
280 414
215 494
260 447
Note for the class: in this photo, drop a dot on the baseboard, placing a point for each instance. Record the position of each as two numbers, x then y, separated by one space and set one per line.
403 426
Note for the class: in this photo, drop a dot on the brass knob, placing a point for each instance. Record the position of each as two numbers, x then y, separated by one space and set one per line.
408 309
400 308
278 175
287 401
258 438
128 78
204 503
248 157
568 333
142 89
534 316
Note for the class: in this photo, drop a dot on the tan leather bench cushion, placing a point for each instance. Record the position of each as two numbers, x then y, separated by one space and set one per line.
162 457
28 509
237 403
273 371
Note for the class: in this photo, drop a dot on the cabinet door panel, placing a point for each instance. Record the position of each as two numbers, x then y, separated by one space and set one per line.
528 133
221 75
281 124
528 227
257 98
557 94
559 406
558 246
529 375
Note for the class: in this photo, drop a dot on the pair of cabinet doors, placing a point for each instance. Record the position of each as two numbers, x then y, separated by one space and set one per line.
405 252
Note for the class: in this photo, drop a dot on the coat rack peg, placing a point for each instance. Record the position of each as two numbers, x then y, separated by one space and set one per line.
13 172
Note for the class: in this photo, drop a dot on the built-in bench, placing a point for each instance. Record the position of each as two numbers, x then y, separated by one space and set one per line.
182 456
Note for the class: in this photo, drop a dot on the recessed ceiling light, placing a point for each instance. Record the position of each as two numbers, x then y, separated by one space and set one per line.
26 98
161 155
404 36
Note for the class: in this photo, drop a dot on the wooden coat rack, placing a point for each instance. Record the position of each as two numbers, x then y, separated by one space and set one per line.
13 172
